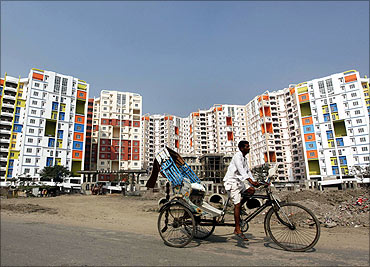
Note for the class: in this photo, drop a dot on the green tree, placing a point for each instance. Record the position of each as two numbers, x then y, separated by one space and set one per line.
261 172
57 173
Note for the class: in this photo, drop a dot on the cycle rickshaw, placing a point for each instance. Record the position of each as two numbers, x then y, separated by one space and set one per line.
186 215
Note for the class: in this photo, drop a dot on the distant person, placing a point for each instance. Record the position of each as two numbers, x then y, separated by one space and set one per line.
237 173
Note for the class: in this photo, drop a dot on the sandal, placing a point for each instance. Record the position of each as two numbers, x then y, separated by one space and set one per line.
242 236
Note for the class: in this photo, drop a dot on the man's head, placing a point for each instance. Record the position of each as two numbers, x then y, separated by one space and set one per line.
244 147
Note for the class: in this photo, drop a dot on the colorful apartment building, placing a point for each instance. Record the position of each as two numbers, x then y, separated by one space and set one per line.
48 123
316 131
116 132
334 122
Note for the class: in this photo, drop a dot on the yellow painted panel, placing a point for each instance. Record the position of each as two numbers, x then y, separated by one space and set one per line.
37 69
334 161
349 71
302 89
14 154
325 109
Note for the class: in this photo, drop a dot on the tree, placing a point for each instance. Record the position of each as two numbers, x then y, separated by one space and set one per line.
261 172
57 173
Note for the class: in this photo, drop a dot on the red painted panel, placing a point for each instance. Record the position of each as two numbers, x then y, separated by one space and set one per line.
136 123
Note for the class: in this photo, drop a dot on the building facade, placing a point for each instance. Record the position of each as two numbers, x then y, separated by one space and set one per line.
334 122
116 132
48 123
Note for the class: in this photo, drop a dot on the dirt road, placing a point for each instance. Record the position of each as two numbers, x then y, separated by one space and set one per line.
138 216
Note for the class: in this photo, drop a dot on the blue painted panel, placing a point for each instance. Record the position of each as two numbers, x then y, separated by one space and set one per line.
343 160
327 117
77 145
17 128
335 169
329 134
340 142
60 134
49 162
333 107
79 128
308 129
311 146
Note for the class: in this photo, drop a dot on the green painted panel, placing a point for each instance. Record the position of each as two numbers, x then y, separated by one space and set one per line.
50 128
340 128
305 109
76 166
314 167
80 107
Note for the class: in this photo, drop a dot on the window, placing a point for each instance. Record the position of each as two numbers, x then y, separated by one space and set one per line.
33 112
355 103
28 160
352 86
366 158
31 131
361 130
34 102
359 120
29 150
353 94
362 139
35 93
26 170
37 85
357 112
364 148
30 140
32 121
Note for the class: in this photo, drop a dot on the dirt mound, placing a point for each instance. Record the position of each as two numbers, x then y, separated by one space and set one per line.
332 208
28 208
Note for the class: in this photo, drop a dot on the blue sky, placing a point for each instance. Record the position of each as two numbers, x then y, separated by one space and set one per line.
185 56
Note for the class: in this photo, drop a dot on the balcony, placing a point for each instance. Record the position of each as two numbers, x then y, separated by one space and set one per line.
7 113
3 122
9 97
4 131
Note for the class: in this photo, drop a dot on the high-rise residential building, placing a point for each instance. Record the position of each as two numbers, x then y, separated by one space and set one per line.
334 122
316 131
116 132
272 127
48 123
160 131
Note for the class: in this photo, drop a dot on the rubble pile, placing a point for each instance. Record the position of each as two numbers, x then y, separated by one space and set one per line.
334 208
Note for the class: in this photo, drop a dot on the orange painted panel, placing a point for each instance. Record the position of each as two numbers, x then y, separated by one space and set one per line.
78 137
191 142
176 130
177 144
195 114
292 90
312 154
38 76
81 94
350 78
309 137
303 97
76 154
307 121
166 118
80 119
219 109
191 129
171 118
1 82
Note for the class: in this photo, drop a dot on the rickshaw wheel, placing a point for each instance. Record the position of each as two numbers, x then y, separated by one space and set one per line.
204 229
176 225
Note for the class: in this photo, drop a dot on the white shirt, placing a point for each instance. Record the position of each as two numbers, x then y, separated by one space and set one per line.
238 169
